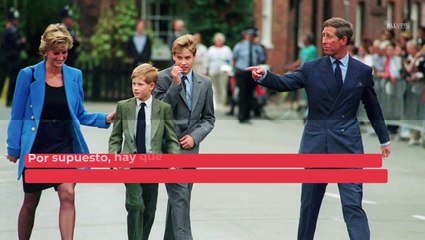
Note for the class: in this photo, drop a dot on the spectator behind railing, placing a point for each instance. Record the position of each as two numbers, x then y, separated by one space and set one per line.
391 77
413 69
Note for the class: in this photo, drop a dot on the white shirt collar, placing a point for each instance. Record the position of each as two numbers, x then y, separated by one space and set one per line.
189 75
147 102
344 60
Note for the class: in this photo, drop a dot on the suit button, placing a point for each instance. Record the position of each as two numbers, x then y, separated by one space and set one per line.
30 105
342 130
32 117
33 129
343 116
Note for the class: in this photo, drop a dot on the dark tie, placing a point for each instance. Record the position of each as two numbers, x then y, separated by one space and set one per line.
141 130
338 75
188 92
184 77
251 62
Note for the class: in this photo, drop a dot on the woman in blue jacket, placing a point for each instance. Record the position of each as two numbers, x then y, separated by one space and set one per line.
47 110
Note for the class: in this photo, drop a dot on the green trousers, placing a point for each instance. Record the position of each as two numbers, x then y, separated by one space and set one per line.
140 202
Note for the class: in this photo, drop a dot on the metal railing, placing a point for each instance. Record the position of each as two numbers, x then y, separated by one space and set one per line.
401 103
110 81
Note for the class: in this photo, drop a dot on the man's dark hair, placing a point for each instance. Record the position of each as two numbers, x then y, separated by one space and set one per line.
310 38
343 27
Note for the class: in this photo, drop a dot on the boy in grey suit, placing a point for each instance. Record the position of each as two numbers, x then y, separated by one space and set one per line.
191 98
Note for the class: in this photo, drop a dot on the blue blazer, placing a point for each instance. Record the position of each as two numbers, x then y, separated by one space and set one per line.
28 103
332 125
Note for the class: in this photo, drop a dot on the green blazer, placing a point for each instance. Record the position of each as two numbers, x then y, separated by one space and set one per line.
163 137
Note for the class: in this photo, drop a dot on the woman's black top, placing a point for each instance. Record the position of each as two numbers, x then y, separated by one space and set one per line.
55 104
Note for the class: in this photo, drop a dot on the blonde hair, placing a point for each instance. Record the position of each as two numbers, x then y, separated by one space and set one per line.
147 72
54 37
186 41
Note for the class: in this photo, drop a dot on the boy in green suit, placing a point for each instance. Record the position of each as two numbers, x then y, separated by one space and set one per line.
142 125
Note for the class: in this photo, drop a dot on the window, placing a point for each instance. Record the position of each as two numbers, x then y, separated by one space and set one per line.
159 15
359 23
267 21
390 13
327 11
414 18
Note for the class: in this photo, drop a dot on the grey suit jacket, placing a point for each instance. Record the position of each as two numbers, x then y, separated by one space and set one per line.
163 135
197 122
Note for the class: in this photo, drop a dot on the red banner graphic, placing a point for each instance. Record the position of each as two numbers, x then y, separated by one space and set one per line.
204 160
207 176
210 168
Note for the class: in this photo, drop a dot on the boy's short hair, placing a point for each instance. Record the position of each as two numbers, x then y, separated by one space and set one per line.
147 72
186 41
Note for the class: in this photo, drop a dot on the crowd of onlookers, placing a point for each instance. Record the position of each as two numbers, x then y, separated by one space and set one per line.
399 74
398 63
399 68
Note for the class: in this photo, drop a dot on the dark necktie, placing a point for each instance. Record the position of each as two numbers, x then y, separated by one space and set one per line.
251 62
338 75
188 92
141 129
184 77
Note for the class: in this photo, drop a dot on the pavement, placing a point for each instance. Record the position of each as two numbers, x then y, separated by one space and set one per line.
396 210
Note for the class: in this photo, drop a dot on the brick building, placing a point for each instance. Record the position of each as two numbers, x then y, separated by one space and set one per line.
282 23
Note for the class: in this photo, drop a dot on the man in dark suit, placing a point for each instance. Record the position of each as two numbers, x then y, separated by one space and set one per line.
191 98
335 85
139 46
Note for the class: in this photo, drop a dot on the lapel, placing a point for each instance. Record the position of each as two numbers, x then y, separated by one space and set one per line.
350 77
183 96
71 88
130 116
328 76
37 90
155 117
182 93
196 81
349 81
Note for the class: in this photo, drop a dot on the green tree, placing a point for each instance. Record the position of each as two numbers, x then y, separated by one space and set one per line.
124 21
35 16
115 24
207 17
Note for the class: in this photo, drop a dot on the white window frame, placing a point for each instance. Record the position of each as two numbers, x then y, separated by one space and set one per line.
390 9
267 24
414 18
359 24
